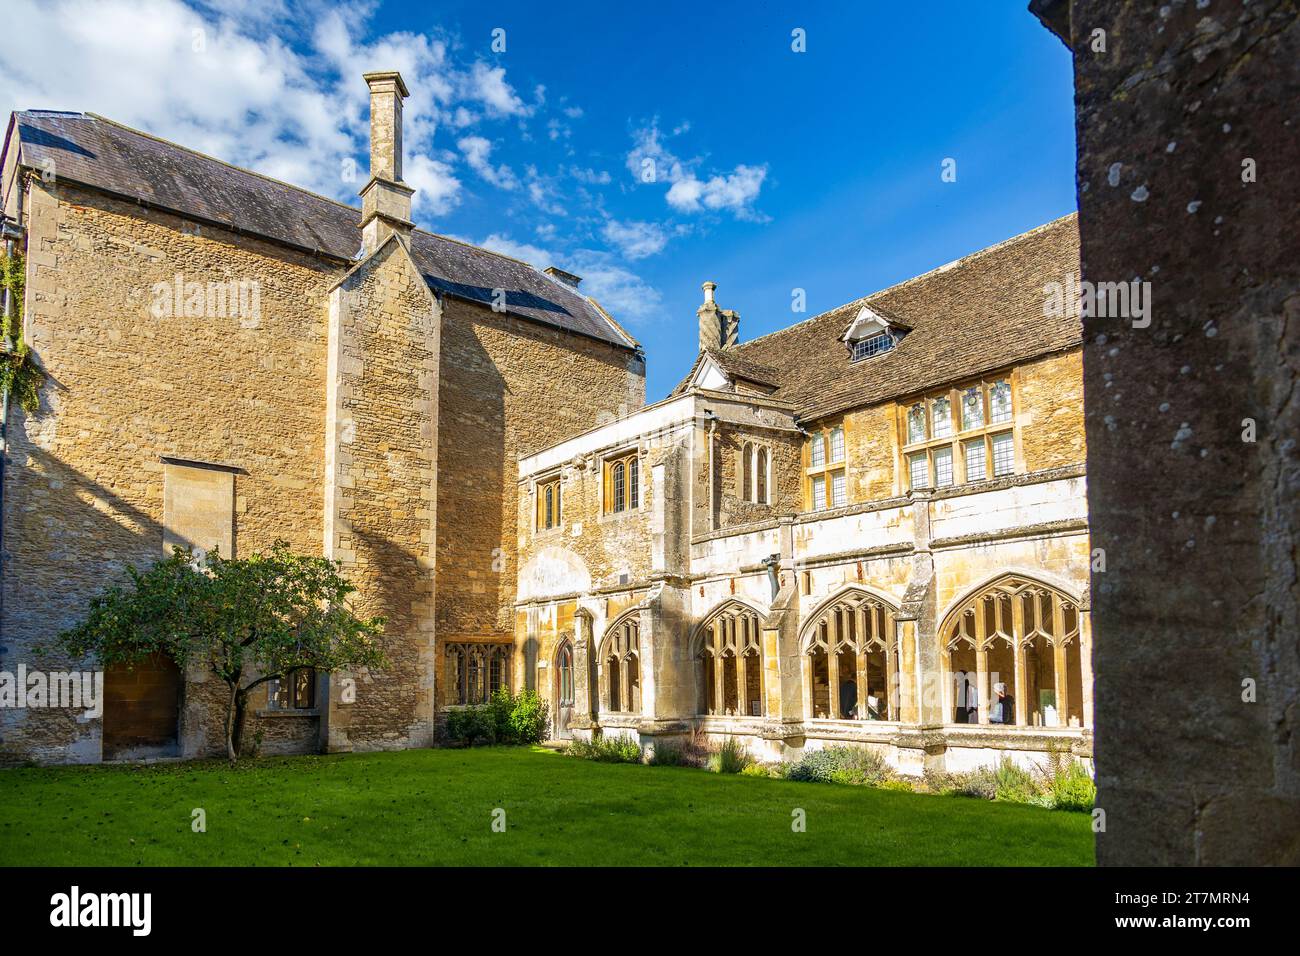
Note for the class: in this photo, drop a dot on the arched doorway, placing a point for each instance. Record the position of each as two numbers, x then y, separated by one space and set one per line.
563 691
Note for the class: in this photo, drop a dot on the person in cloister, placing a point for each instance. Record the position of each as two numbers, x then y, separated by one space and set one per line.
1003 710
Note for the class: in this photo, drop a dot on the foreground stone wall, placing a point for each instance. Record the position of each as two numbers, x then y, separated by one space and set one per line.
1188 147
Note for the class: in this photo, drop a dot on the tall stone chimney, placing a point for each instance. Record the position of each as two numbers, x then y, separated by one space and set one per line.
385 199
719 328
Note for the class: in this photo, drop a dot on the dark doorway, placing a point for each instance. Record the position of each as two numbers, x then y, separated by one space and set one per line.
142 703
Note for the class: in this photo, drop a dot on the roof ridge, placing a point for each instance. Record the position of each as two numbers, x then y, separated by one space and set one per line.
945 267
288 185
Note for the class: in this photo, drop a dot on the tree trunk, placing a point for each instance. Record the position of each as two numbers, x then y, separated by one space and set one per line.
235 712
231 754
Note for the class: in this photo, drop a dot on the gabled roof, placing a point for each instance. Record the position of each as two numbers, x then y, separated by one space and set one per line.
733 366
980 313
93 151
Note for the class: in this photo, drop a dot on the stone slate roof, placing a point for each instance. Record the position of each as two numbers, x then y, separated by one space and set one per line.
96 152
734 366
980 313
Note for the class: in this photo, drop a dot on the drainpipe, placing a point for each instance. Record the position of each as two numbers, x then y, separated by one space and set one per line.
772 562
712 419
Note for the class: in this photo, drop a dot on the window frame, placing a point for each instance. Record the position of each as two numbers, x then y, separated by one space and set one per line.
829 467
754 474
286 694
957 438
554 483
869 346
618 500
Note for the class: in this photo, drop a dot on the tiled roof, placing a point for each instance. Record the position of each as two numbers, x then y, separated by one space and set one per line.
982 312
734 366
94 151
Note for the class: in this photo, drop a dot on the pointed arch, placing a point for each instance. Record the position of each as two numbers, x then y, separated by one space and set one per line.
727 648
1012 653
620 664
849 650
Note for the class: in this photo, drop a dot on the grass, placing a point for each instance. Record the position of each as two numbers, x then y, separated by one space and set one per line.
434 807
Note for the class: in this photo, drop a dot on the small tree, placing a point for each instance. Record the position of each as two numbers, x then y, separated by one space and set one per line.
251 620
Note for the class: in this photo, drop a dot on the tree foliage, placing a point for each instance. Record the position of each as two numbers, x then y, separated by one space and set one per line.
248 620
20 376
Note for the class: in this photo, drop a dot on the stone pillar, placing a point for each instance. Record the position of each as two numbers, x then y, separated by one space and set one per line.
982 682
1187 152
583 711
908 705
1085 664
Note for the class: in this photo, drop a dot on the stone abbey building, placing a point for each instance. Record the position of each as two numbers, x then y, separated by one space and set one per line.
870 527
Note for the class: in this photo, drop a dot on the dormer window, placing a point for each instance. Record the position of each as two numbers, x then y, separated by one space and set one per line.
871 334
874 345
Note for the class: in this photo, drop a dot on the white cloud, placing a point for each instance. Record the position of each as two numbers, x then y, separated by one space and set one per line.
488 85
543 190
274 87
735 191
650 160
437 190
477 151
590 176
635 240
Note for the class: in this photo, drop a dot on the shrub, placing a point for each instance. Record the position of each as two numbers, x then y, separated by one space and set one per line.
530 718
606 749
1014 783
505 719
470 726
1072 788
904 786
497 710
732 757
758 770
696 752
851 765
668 754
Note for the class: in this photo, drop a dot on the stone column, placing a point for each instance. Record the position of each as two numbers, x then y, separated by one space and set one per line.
582 702
833 666
1188 195
1085 664
909 706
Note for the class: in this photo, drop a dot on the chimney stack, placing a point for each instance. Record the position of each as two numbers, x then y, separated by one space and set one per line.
385 200
558 274
719 328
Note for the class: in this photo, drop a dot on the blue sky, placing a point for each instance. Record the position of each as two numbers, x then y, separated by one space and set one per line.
775 170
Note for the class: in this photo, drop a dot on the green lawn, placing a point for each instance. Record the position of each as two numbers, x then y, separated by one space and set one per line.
422 807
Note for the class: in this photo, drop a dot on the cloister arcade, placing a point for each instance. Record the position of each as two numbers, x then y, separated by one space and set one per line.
1012 656
729 662
850 659
1010 653
620 664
